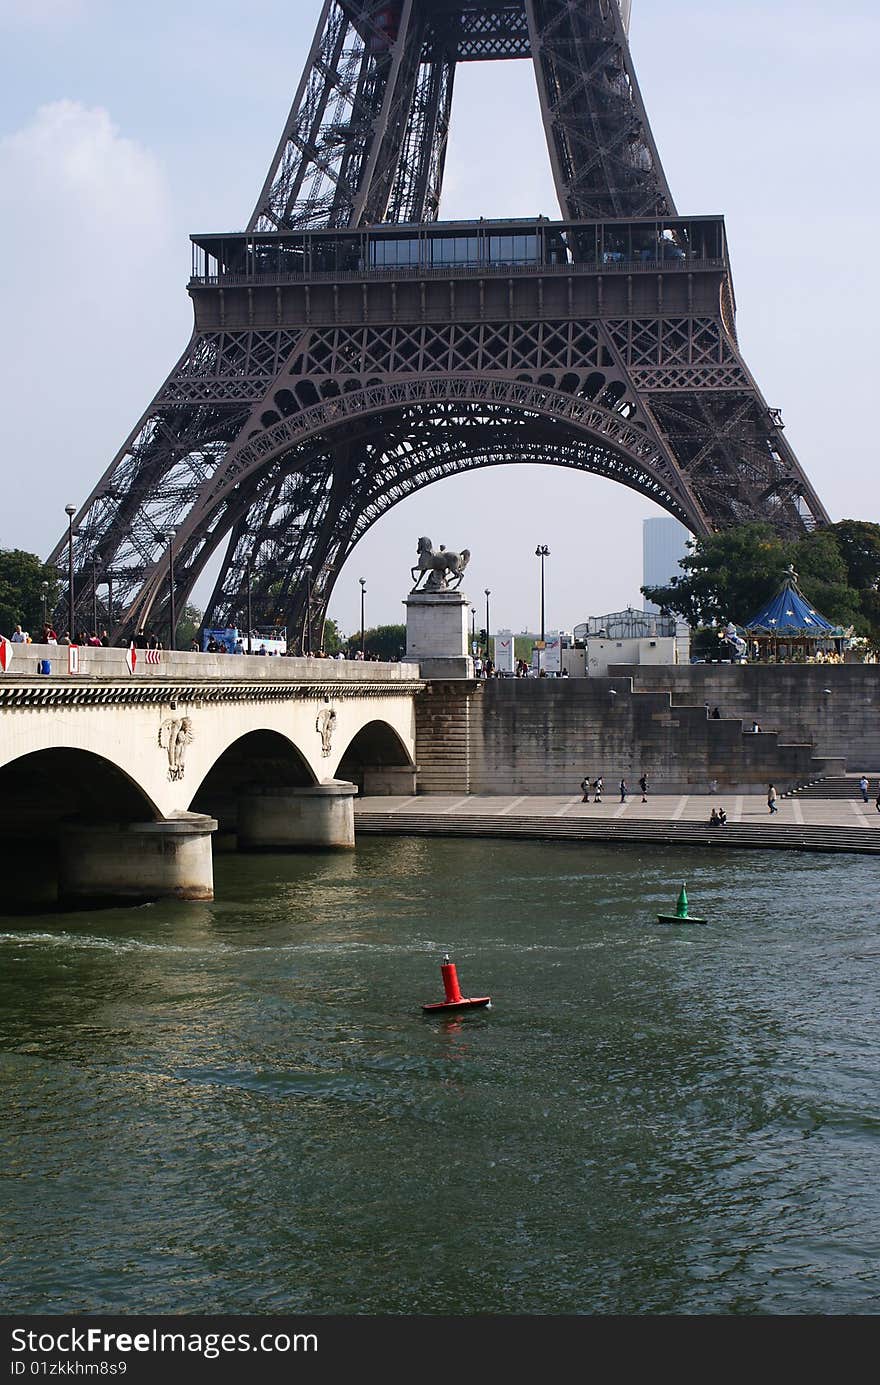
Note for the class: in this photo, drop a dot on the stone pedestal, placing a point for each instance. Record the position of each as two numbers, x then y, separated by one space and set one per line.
105 861
437 634
321 816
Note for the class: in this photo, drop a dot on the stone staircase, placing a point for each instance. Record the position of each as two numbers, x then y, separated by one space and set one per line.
537 737
835 786
763 835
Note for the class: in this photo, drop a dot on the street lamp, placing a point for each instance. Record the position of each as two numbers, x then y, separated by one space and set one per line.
542 552
363 589
488 594
168 537
70 511
473 629
250 614
44 588
308 572
94 596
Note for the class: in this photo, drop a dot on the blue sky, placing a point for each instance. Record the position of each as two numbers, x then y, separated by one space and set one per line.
125 127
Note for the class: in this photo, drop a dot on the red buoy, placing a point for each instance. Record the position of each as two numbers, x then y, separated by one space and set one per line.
455 1002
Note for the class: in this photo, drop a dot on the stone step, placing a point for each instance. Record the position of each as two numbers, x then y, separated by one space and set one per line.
836 787
771 836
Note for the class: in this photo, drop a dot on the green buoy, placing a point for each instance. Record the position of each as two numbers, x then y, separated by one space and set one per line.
681 914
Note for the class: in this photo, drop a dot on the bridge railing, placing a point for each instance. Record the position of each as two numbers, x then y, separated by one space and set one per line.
53 661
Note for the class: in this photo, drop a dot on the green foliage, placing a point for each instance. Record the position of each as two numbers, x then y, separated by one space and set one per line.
333 640
386 642
21 593
730 575
727 576
188 626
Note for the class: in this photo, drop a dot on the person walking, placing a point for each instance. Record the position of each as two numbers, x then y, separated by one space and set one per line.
877 800
624 790
771 799
585 789
643 785
863 785
598 786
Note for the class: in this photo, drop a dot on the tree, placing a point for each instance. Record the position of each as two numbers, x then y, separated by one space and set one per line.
333 640
22 576
823 578
188 626
386 642
727 576
731 575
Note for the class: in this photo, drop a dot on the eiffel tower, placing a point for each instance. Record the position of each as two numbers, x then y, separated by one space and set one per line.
350 348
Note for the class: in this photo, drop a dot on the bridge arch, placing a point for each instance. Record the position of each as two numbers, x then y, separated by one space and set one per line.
251 760
42 790
377 760
346 460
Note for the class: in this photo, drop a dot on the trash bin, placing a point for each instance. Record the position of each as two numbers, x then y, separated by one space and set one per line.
44 666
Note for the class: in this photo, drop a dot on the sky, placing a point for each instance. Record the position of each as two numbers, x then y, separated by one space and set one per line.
124 128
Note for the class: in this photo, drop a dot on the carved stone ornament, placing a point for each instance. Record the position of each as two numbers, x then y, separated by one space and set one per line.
175 735
325 725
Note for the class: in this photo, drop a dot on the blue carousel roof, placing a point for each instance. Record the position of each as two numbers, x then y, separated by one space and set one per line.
789 613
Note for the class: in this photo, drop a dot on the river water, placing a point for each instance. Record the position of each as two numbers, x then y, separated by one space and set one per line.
238 1107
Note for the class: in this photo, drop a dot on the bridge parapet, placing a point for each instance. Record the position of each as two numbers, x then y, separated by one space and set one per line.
190 667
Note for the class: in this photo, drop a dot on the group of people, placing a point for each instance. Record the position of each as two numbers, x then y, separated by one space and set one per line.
48 635
598 784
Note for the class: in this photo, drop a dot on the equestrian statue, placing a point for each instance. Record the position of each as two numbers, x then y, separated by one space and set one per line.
444 568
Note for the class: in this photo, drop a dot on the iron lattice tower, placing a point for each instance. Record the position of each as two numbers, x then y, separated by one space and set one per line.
350 348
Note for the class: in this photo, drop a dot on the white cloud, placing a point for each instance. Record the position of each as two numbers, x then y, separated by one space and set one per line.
71 163
94 289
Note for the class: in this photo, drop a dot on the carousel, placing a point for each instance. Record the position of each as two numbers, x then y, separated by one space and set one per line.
790 630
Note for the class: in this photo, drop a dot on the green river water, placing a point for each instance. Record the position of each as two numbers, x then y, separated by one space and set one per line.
238 1107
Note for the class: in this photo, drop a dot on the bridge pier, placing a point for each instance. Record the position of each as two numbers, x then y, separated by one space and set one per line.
169 859
321 816
390 779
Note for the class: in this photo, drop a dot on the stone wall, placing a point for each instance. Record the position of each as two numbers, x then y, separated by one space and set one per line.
834 707
534 736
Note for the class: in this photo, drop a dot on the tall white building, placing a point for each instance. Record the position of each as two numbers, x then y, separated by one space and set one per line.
663 547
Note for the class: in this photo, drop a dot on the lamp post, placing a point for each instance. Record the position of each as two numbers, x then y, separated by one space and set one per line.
542 552
473 629
308 572
44 588
70 511
488 594
110 599
363 589
168 537
250 615
94 596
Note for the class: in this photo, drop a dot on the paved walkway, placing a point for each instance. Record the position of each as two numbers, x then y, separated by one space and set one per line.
812 824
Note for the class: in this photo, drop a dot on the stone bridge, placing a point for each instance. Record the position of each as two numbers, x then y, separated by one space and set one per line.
114 783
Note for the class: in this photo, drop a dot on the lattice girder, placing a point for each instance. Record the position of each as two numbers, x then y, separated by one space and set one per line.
303 408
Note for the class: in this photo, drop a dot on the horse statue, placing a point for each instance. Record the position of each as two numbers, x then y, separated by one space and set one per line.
437 566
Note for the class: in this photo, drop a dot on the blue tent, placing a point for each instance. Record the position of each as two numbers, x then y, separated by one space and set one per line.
788 615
